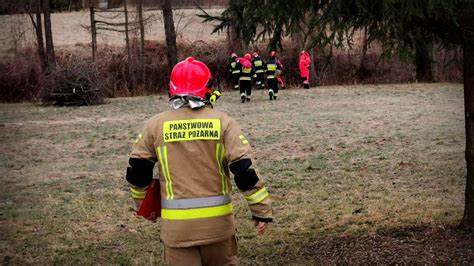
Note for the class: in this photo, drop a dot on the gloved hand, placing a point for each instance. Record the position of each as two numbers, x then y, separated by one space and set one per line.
215 95
261 227
138 194
254 76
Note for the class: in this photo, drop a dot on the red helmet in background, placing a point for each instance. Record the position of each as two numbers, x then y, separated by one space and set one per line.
245 62
247 56
190 77
255 54
273 54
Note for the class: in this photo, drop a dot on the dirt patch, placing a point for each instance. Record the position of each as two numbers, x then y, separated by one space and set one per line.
410 245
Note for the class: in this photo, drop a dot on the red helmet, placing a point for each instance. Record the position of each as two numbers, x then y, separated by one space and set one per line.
247 56
190 77
244 62
233 55
273 54
255 54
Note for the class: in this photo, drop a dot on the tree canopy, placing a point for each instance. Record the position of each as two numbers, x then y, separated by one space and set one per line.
406 27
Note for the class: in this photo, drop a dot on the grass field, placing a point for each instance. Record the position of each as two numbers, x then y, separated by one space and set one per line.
341 161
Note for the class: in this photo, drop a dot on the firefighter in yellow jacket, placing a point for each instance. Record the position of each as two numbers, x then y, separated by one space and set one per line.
195 147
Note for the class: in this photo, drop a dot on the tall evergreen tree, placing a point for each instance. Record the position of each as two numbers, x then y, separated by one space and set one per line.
406 27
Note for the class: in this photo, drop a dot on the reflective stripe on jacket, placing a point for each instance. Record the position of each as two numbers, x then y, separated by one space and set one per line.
234 68
270 69
258 65
246 73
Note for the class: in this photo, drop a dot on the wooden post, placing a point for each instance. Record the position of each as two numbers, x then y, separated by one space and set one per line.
93 30
142 39
127 43
127 40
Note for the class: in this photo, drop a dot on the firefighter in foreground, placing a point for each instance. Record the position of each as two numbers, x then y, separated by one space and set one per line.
196 146
234 71
272 69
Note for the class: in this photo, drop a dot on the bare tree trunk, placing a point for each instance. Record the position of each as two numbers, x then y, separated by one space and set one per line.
467 25
142 39
424 71
233 41
326 64
299 40
51 58
38 25
127 44
170 34
93 30
362 71
313 78
127 40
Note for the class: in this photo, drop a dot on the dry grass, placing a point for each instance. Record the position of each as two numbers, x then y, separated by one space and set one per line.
341 160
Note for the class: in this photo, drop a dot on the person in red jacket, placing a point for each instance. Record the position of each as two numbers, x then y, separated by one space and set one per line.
304 65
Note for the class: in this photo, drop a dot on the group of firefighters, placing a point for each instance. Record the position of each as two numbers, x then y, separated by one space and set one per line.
244 69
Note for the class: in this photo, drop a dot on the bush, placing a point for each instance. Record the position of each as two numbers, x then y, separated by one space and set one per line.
77 83
19 77
115 76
